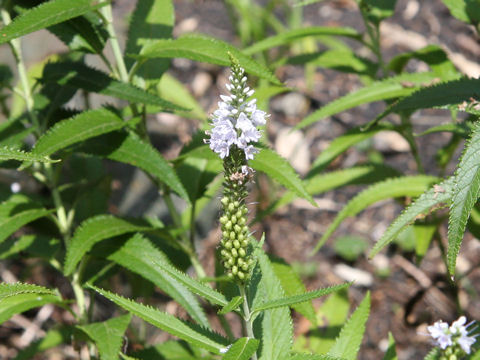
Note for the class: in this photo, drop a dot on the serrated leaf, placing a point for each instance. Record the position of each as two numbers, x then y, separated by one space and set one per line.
293 285
14 154
434 354
136 255
276 167
130 149
150 20
16 212
348 342
84 126
232 305
94 230
389 88
428 201
45 15
17 298
296 34
78 75
242 349
169 323
321 183
204 49
295 299
171 350
440 95
108 335
276 324
465 194
404 186
342 143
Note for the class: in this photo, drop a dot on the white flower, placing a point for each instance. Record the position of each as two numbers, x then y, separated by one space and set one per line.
235 121
15 187
440 333
459 330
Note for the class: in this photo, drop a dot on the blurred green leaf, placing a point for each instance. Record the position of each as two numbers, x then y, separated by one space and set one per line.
242 349
350 247
465 10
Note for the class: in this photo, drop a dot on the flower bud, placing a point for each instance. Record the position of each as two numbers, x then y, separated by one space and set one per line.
234 270
241 275
233 218
228 245
237 229
229 225
224 201
236 244
223 219
231 207
234 252
241 252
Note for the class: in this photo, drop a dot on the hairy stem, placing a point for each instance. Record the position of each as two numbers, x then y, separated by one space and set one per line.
247 318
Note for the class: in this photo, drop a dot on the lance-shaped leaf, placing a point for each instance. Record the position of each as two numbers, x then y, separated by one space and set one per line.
296 34
391 353
465 195
321 183
151 20
194 335
108 335
14 154
313 356
94 230
18 211
296 299
390 88
348 342
405 186
439 95
136 255
127 147
17 298
204 49
429 201
86 125
342 143
232 305
45 15
276 167
276 324
242 349
81 76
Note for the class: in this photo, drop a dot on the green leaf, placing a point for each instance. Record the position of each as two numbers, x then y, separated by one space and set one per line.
295 299
194 335
173 90
171 350
293 285
440 95
391 353
391 188
17 298
276 167
81 76
465 194
378 10
232 305
321 183
45 15
108 335
350 247
94 230
16 212
427 202
276 324
13 154
348 342
433 55
389 88
342 143
464 10
204 49
130 149
296 34
344 60
312 356
35 245
151 20
136 255
242 349
86 125
434 354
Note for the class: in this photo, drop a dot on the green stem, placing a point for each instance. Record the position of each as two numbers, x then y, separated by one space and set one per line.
247 316
16 47
106 12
